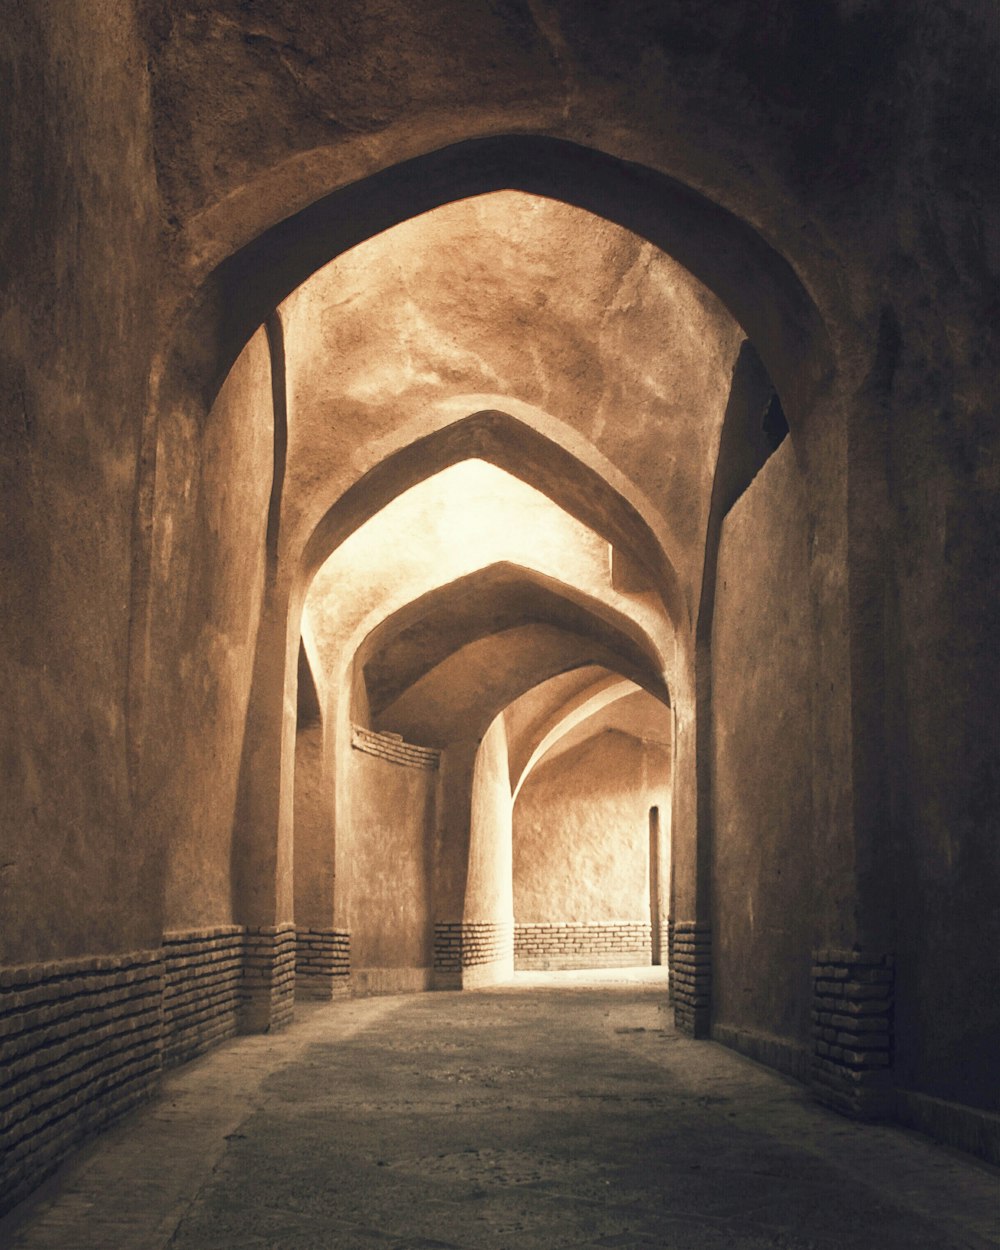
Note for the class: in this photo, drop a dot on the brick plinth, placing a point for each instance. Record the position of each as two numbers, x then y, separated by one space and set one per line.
268 989
580 944
322 963
203 971
691 977
852 1031
463 945
80 1043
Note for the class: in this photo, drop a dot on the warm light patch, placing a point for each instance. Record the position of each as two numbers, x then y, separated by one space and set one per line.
461 519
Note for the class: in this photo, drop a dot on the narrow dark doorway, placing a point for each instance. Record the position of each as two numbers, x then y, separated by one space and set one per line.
654 885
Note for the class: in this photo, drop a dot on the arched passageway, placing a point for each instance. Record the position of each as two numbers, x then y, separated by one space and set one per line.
303 262
425 690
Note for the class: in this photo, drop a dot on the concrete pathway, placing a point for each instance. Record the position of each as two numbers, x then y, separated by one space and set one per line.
522 1118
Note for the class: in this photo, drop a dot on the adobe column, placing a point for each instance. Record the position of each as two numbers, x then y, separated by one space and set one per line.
262 839
690 931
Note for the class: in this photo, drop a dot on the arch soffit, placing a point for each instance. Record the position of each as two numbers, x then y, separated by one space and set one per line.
753 280
458 700
421 635
537 458
529 718
562 720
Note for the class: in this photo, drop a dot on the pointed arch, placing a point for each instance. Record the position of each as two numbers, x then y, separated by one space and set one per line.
583 490
589 703
753 280
511 628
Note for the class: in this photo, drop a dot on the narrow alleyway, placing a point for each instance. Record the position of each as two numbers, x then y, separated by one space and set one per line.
539 1115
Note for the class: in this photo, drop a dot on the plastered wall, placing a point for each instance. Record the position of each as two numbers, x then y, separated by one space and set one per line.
581 832
223 613
314 831
78 241
389 813
765 869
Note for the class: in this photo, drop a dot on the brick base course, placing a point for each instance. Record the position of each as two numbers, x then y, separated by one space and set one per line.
80 1043
779 1053
691 976
469 944
582 944
852 1031
84 1040
392 749
203 974
322 963
267 995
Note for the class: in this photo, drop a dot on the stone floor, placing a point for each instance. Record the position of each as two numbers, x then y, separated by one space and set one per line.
551 1114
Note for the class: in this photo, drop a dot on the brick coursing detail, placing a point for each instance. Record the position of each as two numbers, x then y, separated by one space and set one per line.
852 1030
84 1040
203 975
469 944
80 1044
582 944
394 750
691 976
267 996
322 962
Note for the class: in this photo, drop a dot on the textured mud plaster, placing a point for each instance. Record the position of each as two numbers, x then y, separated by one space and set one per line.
448 526
77 236
222 612
581 831
463 693
627 709
314 832
389 820
767 875
571 314
328 73
935 378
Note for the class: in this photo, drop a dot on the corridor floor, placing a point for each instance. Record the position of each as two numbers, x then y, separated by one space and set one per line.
535 1117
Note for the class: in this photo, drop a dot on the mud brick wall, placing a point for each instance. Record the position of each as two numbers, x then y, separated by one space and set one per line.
203 974
691 976
322 962
80 1043
852 1031
268 990
582 944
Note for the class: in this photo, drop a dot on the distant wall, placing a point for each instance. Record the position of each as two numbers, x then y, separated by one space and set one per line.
765 878
581 853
